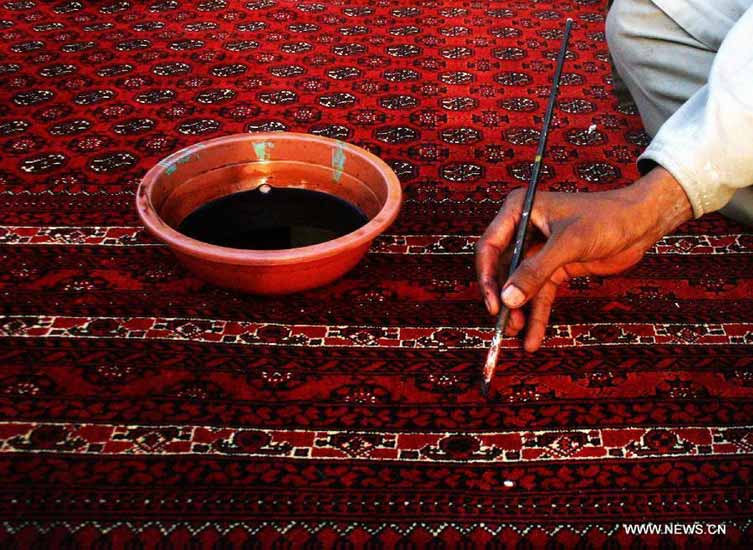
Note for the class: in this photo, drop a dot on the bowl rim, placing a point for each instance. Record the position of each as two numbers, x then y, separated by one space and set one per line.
184 244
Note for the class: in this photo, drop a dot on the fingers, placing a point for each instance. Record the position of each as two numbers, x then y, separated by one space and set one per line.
535 270
541 308
516 322
490 247
487 262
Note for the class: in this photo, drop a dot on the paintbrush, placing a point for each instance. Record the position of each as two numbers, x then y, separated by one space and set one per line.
520 238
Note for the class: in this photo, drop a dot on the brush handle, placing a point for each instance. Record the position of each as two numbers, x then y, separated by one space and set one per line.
504 317
517 253
525 219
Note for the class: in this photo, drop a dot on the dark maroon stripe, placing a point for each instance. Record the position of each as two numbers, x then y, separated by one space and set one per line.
646 411
82 356
654 476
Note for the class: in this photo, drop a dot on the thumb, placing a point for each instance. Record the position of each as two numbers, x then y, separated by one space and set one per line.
537 269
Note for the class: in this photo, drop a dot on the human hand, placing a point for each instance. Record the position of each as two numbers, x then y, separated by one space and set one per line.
599 233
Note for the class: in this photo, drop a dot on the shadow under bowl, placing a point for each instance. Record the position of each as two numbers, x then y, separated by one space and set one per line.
196 175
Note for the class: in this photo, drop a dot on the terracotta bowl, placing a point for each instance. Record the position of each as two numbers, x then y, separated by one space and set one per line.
193 176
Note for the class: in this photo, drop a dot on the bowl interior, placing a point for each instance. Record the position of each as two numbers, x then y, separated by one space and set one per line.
202 173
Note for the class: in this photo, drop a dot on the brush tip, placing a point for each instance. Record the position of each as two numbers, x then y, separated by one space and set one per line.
485 388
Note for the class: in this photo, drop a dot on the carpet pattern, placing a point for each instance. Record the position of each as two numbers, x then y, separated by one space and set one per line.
140 407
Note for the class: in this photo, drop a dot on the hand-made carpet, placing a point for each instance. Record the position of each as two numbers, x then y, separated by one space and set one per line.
140 407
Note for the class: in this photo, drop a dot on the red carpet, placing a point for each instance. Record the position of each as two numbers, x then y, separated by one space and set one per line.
142 408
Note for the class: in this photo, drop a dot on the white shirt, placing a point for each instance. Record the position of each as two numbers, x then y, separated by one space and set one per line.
707 144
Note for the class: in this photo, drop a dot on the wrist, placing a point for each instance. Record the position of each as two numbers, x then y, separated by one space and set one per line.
659 192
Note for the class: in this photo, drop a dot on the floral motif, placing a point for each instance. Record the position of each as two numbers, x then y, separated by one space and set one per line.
151 439
460 447
357 444
366 393
254 442
48 438
660 441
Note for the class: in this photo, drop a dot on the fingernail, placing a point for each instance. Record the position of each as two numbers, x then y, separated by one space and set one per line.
512 296
486 303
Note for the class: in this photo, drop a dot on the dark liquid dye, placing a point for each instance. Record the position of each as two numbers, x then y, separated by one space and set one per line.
280 218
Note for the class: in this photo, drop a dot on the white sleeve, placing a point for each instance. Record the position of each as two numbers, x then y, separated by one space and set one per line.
707 145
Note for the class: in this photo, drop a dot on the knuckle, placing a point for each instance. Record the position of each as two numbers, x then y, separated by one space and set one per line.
516 193
485 280
546 302
528 271
514 197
